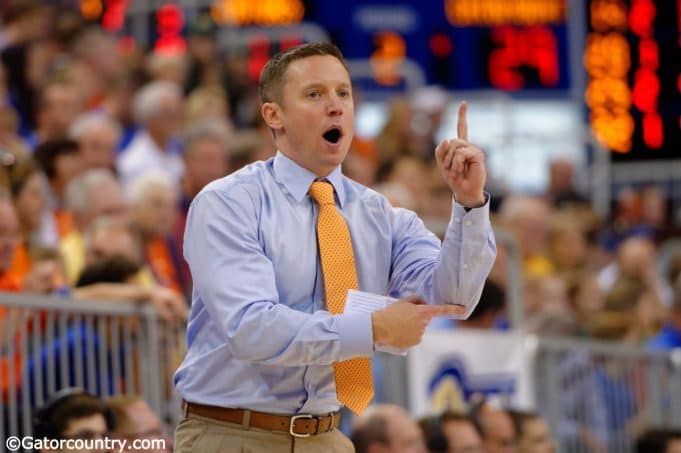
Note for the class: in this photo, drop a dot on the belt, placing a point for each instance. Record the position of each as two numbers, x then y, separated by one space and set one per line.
301 425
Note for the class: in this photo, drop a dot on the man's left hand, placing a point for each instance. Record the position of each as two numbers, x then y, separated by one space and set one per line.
463 165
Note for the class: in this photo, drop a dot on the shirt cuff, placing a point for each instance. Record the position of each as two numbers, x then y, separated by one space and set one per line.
473 215
356 335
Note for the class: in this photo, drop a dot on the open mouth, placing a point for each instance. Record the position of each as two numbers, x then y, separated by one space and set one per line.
333 135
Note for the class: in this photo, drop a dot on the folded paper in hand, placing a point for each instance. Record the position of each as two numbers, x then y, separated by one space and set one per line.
363 302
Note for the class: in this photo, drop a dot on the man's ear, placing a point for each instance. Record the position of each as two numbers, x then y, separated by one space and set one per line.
271 113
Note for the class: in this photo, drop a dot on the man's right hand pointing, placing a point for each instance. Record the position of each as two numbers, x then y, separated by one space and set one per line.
403 323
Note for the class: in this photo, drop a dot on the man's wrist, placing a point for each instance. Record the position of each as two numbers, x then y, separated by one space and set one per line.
475 202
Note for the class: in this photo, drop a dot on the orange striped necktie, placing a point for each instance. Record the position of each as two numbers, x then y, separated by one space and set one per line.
354 385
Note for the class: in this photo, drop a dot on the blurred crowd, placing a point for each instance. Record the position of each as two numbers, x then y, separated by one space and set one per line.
484 428
103 145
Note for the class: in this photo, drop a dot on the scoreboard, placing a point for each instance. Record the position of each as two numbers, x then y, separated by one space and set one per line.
633 62
460 44
631 56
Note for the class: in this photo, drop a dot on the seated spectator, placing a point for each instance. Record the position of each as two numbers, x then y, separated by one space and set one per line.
154 201
528 220
91 195
496 427
112 254
136 420
157 108
659 441
97 136
561 191
386 428
28 193
636 259
451 432
534 435
59 103
61 162
73 414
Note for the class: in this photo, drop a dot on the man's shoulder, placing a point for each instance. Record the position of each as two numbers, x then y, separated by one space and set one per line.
358 192
249 179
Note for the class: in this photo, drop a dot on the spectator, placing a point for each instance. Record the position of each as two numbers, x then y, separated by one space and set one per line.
59 104
73 414
97 136
496 426
157 108
461 433
61 161
386 428
98 50
206 103
411 172
561 191
154 198
28 191
567 246
528 220
108 236
93 194
636 259
534 435
136 420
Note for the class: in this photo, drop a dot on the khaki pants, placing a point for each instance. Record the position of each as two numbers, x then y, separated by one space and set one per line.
196 434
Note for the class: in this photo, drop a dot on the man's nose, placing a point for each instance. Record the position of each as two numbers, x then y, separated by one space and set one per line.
335 105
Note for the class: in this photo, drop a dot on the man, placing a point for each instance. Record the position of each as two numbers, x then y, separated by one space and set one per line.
136 420
93 194
496 426
59 103
157 108
97 135
461 434
387 428
73 414
272 266
534 435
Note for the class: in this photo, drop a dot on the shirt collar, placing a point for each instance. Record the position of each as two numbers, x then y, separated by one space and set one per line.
297 180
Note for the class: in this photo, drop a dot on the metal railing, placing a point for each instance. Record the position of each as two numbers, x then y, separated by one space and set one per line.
599 397
107 348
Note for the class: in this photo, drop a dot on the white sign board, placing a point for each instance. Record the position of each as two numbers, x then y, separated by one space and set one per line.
448 367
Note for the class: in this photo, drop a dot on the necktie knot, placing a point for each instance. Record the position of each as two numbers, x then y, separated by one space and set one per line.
322 192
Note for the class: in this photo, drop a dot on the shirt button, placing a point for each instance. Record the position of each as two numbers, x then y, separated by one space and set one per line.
468 223
465 266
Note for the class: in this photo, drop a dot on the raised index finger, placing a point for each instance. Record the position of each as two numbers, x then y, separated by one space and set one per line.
462 124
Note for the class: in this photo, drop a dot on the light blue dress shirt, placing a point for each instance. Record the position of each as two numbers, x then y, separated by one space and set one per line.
259 336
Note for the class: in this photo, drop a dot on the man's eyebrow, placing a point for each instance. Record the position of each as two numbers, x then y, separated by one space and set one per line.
323 85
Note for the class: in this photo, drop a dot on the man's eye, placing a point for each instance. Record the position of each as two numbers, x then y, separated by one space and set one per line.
343 93
313 94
